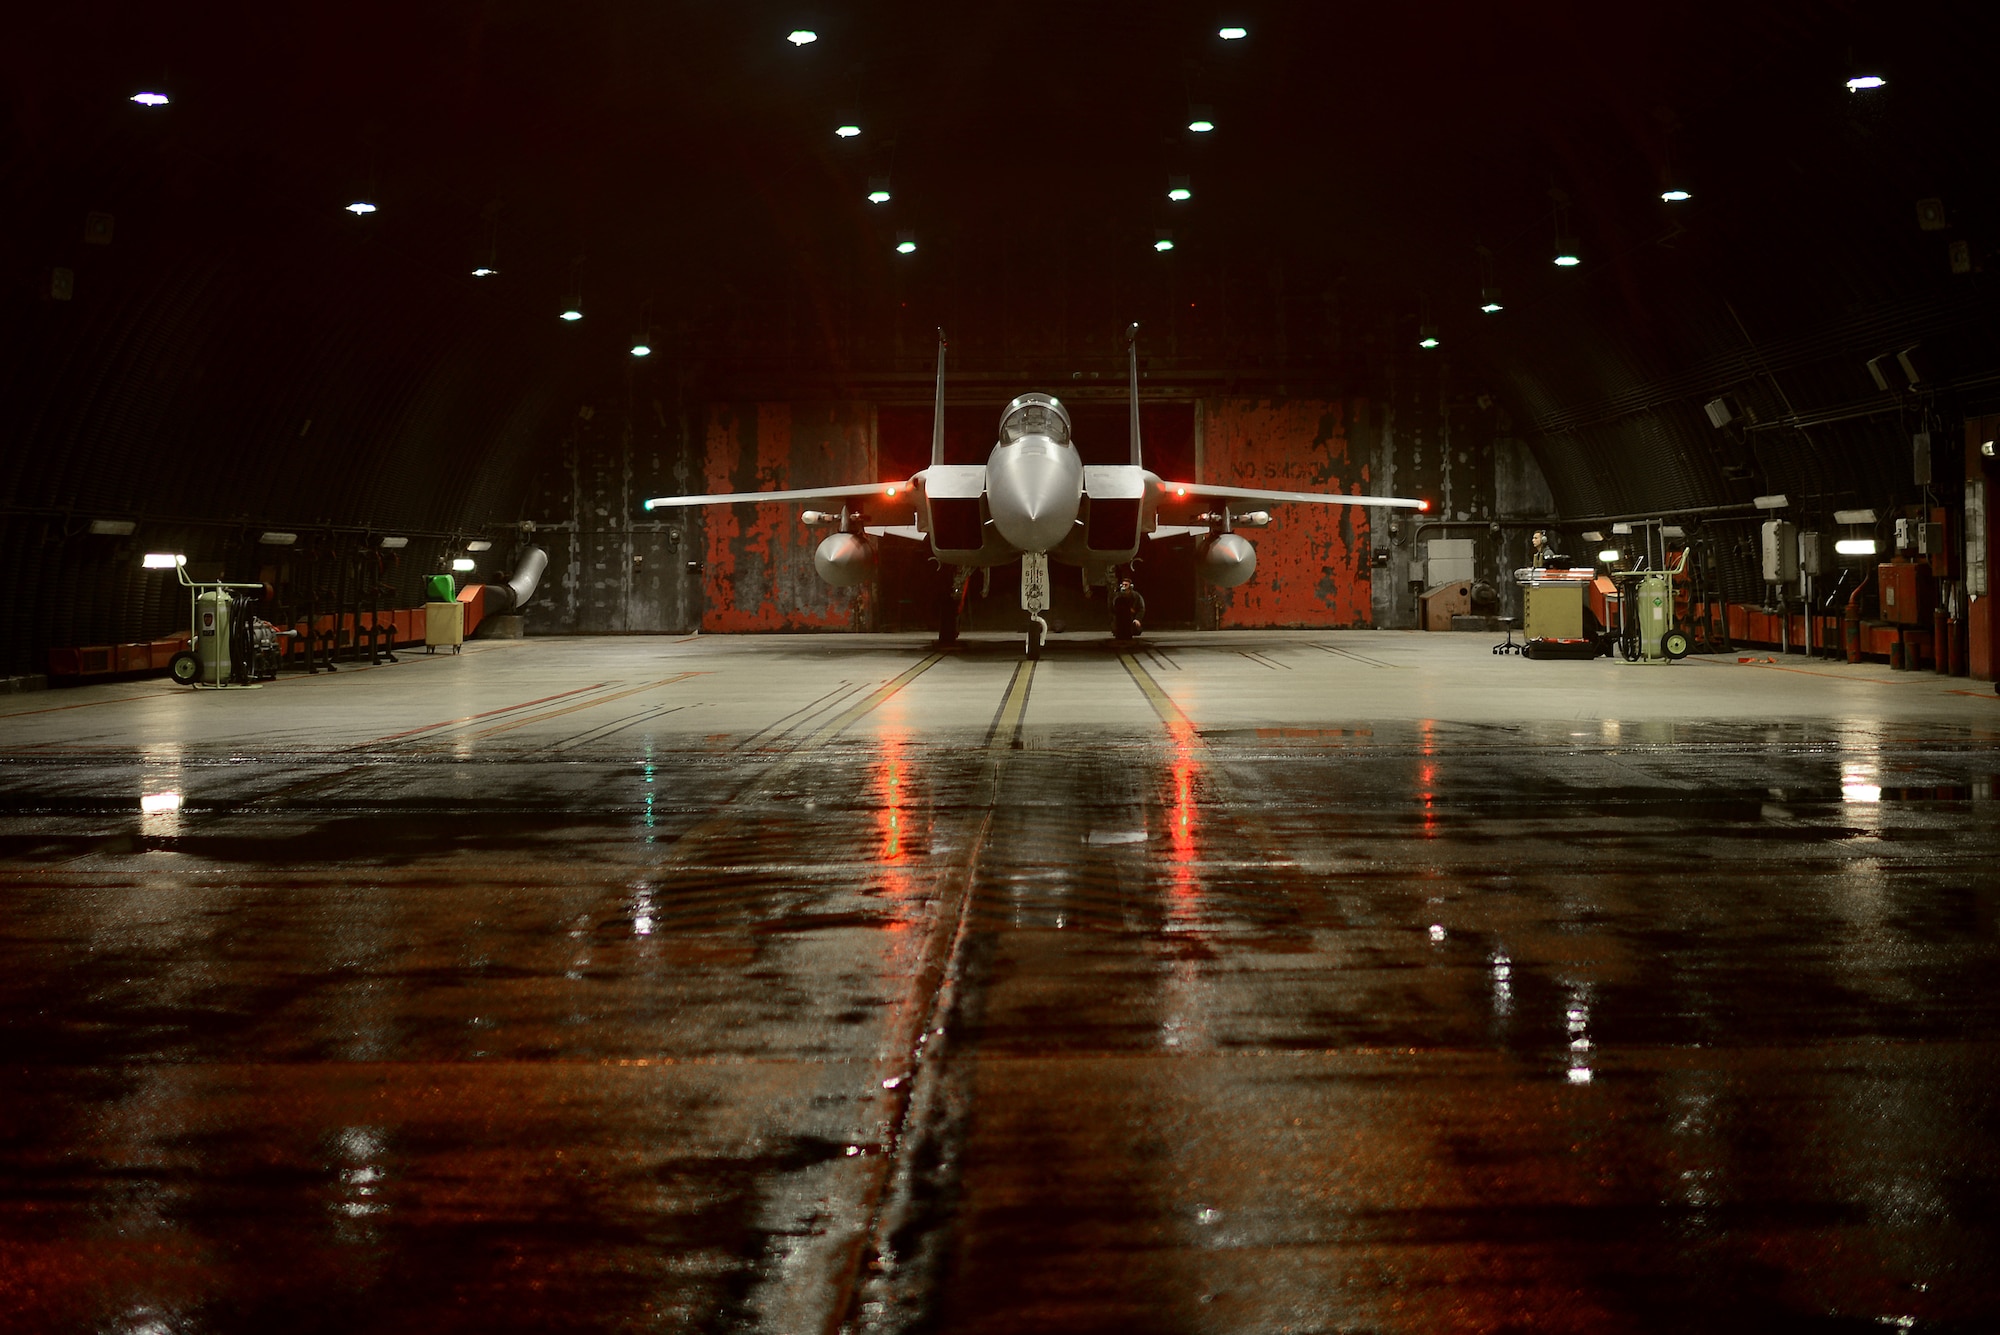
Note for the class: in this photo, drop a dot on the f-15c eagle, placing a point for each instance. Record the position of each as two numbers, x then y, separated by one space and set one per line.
1035 498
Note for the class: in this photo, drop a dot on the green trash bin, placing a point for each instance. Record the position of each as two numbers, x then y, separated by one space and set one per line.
442 589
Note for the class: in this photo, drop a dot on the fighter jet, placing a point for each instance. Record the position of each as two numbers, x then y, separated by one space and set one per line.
1034 498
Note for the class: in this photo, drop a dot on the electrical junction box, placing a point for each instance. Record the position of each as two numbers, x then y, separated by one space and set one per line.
1816 553
1909 592
1781 551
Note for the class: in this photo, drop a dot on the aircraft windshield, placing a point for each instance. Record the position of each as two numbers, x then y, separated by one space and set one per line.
1034 416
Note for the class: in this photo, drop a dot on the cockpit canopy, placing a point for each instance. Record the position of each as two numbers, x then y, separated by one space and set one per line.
1034 415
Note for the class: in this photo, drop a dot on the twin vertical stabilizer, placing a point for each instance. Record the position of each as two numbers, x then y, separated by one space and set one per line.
937 412
1132 363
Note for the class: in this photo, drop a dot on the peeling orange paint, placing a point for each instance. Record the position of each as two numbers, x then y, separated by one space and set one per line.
759 571
1312 562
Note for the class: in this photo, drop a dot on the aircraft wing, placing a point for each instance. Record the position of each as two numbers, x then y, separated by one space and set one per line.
1258 496
885 490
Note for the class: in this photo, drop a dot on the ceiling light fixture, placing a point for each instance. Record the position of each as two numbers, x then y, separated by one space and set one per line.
162 560
1566 256
1163 241
150 99
906 243
1855 546
463 564
1177 189
641 349
1863 82
878 190
359 207
395 544
572 315
112 528
1232 34
1489 300
1675 196
484 272
847 130
479 545
1427 336
802 37
1200 120
274 538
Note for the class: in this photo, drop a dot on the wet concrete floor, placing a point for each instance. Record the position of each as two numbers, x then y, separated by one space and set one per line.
1248 982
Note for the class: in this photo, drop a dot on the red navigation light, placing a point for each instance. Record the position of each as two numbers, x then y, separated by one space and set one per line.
892 493
1181 492
1423 505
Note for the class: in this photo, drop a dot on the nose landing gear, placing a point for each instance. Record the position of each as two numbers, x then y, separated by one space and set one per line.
1035 598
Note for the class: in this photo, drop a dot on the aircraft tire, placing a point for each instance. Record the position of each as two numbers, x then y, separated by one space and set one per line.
184 668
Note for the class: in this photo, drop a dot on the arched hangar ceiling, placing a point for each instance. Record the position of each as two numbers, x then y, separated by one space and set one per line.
674 168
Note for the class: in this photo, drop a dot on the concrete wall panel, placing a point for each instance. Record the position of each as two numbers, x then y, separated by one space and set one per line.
1312 563
759 569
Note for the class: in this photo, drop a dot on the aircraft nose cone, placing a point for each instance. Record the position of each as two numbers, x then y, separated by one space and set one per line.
1033 495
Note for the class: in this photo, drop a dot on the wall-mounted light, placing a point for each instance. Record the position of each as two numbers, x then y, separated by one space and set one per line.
395 544
463 564
162 560
112 528
276 538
